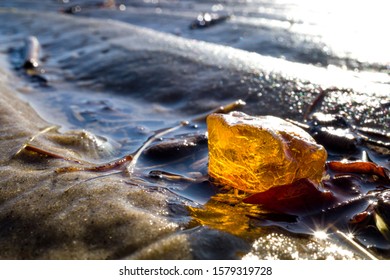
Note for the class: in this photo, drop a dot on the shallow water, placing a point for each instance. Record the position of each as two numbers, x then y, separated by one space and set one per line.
123 82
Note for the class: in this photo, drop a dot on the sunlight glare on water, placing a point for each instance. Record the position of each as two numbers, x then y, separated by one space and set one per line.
320 234
355 28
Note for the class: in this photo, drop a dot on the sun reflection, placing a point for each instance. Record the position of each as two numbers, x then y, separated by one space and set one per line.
350 235
365 24
349 238
320 234
273 246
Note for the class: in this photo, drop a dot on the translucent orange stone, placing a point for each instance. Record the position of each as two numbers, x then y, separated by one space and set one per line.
254 154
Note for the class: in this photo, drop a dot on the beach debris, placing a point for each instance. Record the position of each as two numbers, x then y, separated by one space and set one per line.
338 135
107 4
204 20
31 53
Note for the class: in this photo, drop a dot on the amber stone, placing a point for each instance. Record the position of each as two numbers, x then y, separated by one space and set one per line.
254 154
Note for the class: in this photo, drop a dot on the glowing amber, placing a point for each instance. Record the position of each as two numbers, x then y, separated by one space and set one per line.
254 154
